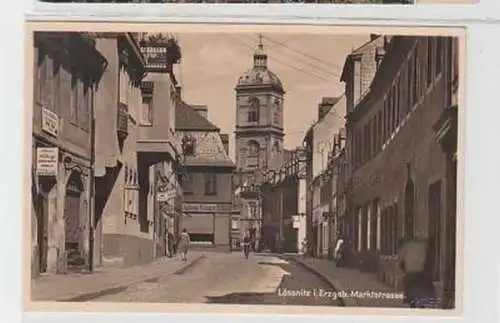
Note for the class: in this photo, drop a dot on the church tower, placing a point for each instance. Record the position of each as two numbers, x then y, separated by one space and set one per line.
259 120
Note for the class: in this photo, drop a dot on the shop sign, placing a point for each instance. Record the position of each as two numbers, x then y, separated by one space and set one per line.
50 122
47 159
207 208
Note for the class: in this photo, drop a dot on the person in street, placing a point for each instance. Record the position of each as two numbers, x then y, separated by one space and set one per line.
183 245
339 251
246 244
304 247
417 281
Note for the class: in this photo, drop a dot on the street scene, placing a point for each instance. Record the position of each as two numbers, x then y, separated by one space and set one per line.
244 168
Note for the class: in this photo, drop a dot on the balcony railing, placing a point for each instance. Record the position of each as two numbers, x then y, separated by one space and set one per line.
122 121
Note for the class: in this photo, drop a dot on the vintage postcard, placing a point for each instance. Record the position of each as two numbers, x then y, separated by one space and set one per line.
207 168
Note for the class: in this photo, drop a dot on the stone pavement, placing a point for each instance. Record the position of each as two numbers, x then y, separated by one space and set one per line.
80 286
356 288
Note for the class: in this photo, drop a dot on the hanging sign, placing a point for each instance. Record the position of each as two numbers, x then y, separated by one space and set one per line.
47 161
50 122
296 221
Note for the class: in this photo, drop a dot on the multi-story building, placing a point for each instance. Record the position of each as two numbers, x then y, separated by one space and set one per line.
159 151
135 151
258 136
67 69
207 178
402 180
331 118
284 205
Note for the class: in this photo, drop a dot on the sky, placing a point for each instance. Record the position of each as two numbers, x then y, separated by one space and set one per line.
309 65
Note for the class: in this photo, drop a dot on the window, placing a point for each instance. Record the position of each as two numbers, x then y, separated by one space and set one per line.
276 118
414 89
391 113
396 105
188 184
38 69
439 55
253 154
380 130
210 184
430 60
74 98
402 98
253 110
56 85
86 104
409 79
384 121
147 114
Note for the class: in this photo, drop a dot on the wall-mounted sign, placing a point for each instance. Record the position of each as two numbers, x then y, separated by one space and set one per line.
47 159
50 122
207 208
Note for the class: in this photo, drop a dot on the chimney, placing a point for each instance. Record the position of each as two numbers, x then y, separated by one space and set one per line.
178 89
225 141
201 109
325 106
374 36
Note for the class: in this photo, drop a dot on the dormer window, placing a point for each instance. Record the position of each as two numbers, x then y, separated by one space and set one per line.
188 145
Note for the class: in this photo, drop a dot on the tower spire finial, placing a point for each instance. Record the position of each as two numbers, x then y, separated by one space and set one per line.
260 41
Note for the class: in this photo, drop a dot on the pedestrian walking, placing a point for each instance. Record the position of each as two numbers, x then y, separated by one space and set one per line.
414 261
338 251
246 244
183 245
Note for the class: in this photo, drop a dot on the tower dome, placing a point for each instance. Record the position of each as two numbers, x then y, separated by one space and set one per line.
260 75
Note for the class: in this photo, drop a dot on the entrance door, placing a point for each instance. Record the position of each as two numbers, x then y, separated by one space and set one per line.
72 223
42 234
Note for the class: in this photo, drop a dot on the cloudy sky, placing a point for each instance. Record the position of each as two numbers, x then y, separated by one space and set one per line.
308 65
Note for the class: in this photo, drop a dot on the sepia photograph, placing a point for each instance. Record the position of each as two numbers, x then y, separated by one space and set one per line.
238 166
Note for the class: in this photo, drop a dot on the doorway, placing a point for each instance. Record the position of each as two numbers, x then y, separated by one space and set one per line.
72 225
42 213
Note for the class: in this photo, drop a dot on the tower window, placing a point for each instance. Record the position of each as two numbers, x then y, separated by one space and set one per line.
253 154
253 111
276 118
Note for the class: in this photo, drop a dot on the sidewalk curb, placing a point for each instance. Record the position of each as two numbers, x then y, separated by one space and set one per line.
118 287
332 282
186 267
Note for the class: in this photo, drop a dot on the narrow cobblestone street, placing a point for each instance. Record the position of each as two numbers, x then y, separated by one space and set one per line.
229 278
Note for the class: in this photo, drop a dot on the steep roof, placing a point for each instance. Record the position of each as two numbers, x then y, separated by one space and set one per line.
187 119
209 149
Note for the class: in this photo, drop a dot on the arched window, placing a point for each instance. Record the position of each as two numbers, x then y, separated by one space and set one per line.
253 110
253 154
253 148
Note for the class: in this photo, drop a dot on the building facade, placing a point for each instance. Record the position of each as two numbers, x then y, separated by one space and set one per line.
331 118
258 137
207 178
159 151
401 182
67 69
284 205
